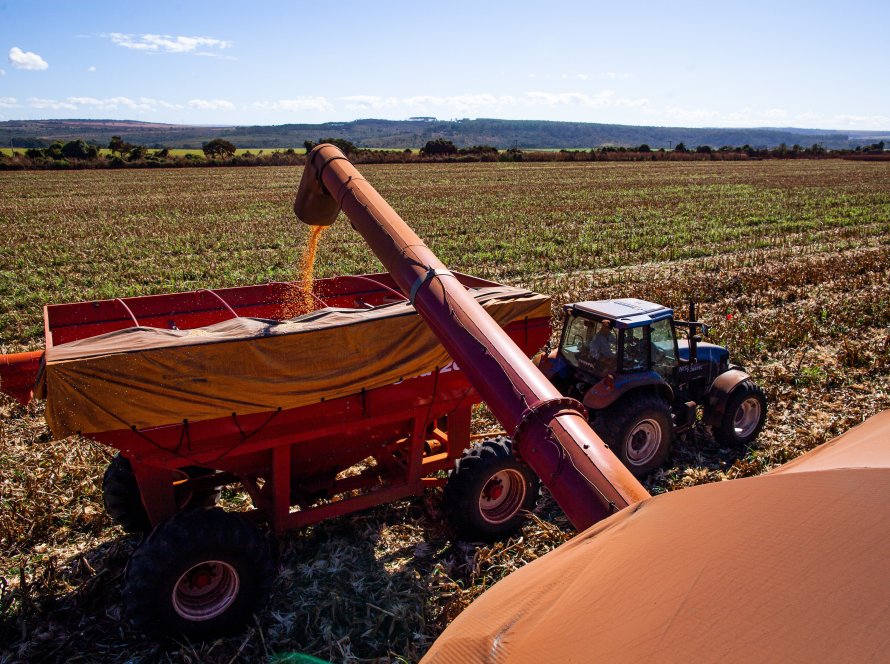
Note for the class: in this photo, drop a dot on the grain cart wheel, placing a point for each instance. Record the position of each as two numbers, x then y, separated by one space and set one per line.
201 574
488 491
744 416
123 503
638 430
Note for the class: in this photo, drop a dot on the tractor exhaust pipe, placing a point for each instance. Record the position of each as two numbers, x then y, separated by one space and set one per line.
550 432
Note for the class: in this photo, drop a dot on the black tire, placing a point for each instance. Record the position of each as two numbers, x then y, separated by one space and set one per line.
201 574
120 493
489 491
638 428
123 502
744 416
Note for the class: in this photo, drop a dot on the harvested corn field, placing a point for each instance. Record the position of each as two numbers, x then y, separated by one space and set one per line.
788 260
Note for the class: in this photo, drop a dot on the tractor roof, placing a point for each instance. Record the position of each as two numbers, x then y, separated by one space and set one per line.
626 312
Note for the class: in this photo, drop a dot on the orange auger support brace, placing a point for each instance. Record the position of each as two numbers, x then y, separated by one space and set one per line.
550 431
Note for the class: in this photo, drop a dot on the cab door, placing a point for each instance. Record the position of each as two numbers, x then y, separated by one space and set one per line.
665 356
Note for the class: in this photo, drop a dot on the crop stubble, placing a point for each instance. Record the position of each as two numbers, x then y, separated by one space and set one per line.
789 261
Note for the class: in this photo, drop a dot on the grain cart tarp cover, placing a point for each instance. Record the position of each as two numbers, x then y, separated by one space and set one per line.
146 377
790 566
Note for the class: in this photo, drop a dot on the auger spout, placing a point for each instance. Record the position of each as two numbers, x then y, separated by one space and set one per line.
550 431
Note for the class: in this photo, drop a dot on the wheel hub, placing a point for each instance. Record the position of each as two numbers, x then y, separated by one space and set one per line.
494 489
747 417
206 590
502 496
643 442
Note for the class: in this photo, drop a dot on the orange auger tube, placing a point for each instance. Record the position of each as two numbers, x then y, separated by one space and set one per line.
550 432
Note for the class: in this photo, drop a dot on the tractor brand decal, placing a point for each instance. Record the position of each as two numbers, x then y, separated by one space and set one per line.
691 370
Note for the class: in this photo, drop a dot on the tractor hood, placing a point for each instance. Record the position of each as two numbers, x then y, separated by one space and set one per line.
706 352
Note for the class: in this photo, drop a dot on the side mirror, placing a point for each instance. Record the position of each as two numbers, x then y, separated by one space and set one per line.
696 338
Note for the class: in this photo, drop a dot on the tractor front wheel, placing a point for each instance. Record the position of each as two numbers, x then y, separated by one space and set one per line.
200 574
744 416
489 491
638 429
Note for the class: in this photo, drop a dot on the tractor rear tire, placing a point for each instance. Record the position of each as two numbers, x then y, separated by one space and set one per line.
638 428
489 491
201 574
744 416
123 502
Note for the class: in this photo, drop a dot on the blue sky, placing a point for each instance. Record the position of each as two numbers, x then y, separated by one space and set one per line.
679 63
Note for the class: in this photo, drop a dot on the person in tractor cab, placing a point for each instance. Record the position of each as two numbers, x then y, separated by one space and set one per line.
601 347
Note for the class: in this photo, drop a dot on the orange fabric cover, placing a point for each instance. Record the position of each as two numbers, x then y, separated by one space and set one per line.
789 566
146 377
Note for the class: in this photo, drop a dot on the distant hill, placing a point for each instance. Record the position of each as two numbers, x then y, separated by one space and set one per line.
415 132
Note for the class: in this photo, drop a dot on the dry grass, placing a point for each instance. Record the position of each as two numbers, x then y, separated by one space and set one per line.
804 305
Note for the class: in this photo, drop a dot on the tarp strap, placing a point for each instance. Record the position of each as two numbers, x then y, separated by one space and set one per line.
420 281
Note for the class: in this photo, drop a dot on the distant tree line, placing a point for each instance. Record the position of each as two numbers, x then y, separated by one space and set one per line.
78 154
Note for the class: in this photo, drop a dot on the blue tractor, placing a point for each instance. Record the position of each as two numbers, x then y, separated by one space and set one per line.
643 384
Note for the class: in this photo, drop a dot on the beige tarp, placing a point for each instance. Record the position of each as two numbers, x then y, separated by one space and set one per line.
791 566
146 377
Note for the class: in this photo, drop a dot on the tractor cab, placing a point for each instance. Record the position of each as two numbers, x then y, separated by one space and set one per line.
611 337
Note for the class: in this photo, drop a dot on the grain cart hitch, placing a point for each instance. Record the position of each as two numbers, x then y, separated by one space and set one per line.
550 431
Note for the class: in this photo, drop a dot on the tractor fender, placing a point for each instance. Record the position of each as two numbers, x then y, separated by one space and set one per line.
719 392
608 390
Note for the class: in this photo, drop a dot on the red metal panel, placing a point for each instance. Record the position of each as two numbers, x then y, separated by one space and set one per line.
18 373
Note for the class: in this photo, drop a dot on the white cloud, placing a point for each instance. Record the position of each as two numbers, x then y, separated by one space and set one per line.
466 103
37 102
317 104
369 102
749 117
167 43
604 99
162 104
8 102
862 121
141 105
91 69
615 75
114 103
207 54
698 116
26 60
2 72
560 77
211 104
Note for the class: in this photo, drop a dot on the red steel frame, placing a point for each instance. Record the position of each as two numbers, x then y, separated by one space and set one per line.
286 459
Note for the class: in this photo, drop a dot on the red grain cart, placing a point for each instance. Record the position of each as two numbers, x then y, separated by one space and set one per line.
352 405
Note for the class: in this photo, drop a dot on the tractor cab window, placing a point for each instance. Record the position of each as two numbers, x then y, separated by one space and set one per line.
590 344
636 349
664 347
